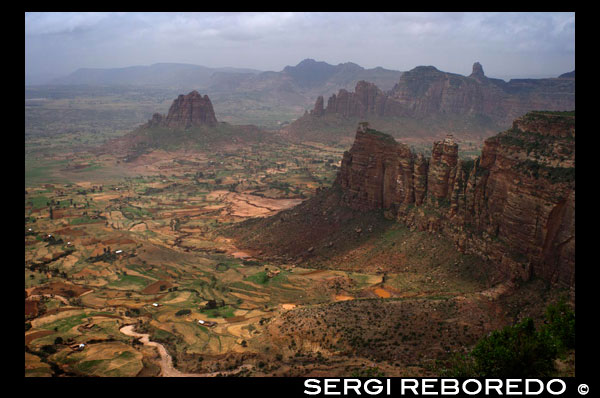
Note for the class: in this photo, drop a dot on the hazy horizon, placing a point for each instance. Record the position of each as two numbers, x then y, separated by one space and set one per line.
508 45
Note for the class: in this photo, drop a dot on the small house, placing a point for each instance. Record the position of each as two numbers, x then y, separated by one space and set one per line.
78 347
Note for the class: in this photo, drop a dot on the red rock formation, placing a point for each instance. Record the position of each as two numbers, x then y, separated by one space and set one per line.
477 71
366 100
442 169
186 111
427 92
514 205
318 110
157 120
377 172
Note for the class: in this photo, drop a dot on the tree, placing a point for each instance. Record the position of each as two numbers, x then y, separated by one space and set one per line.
560 326
520 350
517 350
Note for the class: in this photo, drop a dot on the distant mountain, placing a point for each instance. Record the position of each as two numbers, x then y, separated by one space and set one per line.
283 96
429 102
166 75
568 75
275 99
243 96
310 77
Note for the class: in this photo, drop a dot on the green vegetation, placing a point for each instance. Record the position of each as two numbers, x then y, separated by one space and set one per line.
520 350
39 202
386 137
260 278
80 220
128 280
467 166
557 113
133 213
367 372
225 312
553 174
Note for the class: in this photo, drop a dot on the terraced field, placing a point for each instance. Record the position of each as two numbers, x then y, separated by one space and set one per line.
134 244
130 271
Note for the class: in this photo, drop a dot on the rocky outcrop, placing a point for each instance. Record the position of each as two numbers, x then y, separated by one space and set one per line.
477 71
318 110
514 205
377 172
426 92
186 111
366 100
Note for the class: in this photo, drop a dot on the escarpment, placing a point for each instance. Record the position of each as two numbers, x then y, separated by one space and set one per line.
428 102
514 205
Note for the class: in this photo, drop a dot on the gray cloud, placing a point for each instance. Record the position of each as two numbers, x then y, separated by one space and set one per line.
507 44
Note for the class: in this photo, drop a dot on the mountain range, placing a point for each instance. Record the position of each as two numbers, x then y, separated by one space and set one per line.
427 102
275 99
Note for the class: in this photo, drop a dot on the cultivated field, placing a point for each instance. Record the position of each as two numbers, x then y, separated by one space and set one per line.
126 255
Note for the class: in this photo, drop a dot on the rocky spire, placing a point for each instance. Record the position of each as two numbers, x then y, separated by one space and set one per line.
319 110
477 71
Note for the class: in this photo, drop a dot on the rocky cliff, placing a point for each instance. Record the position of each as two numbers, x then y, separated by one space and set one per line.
448 101
186 111
514 205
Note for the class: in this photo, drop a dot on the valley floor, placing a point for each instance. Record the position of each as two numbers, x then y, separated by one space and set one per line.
127 258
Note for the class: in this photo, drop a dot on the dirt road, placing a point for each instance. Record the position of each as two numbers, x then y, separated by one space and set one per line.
166 362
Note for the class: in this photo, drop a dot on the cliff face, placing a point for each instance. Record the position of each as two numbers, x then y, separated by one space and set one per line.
515 205
186 111
425 92
377 172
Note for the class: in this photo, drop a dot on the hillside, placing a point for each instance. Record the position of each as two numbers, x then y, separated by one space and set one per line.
190 123
163 75
513 206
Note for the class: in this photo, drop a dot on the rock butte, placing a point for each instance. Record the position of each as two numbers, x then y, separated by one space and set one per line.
186 111
506 206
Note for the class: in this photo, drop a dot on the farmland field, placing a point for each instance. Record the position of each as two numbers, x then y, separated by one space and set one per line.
124 255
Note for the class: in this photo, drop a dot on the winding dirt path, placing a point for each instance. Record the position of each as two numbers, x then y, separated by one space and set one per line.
56 296
166 362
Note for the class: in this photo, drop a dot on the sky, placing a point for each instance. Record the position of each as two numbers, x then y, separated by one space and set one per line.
508 45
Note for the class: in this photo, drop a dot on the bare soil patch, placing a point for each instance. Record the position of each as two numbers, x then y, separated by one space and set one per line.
382 292
60 288
120 241
36 335
155 287
31 307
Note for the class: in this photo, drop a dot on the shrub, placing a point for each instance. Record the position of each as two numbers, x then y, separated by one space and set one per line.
560 326
517 350
183 312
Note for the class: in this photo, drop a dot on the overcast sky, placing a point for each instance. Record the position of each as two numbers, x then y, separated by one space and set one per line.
506 44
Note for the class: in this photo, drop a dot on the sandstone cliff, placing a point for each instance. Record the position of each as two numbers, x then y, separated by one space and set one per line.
515 205
443 101
426 91
186 111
